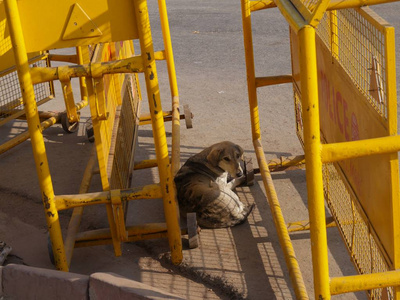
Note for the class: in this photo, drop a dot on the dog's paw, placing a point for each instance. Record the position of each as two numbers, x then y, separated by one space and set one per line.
241 180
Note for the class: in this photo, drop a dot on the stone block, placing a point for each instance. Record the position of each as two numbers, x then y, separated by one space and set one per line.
23 282
113 286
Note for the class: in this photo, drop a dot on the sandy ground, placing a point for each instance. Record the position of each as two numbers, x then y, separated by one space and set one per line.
242 262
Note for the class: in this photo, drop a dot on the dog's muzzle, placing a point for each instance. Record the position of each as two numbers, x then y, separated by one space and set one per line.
239 172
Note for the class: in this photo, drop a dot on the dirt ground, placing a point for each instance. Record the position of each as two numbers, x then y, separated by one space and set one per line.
244 262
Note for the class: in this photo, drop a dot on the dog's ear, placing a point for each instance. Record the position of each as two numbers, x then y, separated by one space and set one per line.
214 156
240 149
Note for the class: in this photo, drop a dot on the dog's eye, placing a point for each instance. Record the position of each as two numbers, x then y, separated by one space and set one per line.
227 159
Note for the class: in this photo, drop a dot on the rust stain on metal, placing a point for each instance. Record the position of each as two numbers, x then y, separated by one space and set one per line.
46 201
154 100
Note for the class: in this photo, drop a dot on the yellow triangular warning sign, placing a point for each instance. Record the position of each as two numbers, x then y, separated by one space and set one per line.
79 25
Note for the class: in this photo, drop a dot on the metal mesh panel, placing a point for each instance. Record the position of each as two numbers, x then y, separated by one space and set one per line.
360 50
10 94
324 30
126 133
357 43
115 135
353 226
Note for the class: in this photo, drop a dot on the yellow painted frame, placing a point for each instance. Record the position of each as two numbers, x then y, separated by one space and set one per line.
112 198
303 22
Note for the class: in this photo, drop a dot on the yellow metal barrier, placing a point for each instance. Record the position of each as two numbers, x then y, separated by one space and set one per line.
12 106
343 76
108 72
11 103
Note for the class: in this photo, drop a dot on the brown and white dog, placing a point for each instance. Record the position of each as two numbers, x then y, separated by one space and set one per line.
202 186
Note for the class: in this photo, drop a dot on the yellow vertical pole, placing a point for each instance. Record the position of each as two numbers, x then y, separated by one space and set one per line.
250 70
391 94
280 224
35 132
82 80
175 153
99 146
334 34
160 140
316 204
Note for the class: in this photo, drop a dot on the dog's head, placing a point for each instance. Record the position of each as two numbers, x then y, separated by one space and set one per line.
227 156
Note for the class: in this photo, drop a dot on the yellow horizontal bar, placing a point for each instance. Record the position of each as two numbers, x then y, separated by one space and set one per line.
134 238
14 114
151 191
168 117
51 119
285 162
104 233
347 284
128 65
272 80
64 58
340 4
345 150
103 236
31 61
256 5
160 55
145 164
25 135
147 117
305 225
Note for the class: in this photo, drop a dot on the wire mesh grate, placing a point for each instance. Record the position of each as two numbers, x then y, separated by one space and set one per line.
354 227
360 47
125 140
10 93
357 42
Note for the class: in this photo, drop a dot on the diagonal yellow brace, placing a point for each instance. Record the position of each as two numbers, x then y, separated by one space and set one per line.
34 127
318 12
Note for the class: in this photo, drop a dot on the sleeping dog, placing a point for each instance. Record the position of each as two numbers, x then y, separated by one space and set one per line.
203 187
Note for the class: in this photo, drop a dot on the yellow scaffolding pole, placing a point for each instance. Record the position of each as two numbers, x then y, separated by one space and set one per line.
303 17
175 153
35 132
105 117
160 140
312 141
280 224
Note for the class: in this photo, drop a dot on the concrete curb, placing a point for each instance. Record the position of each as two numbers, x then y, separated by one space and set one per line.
23 282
